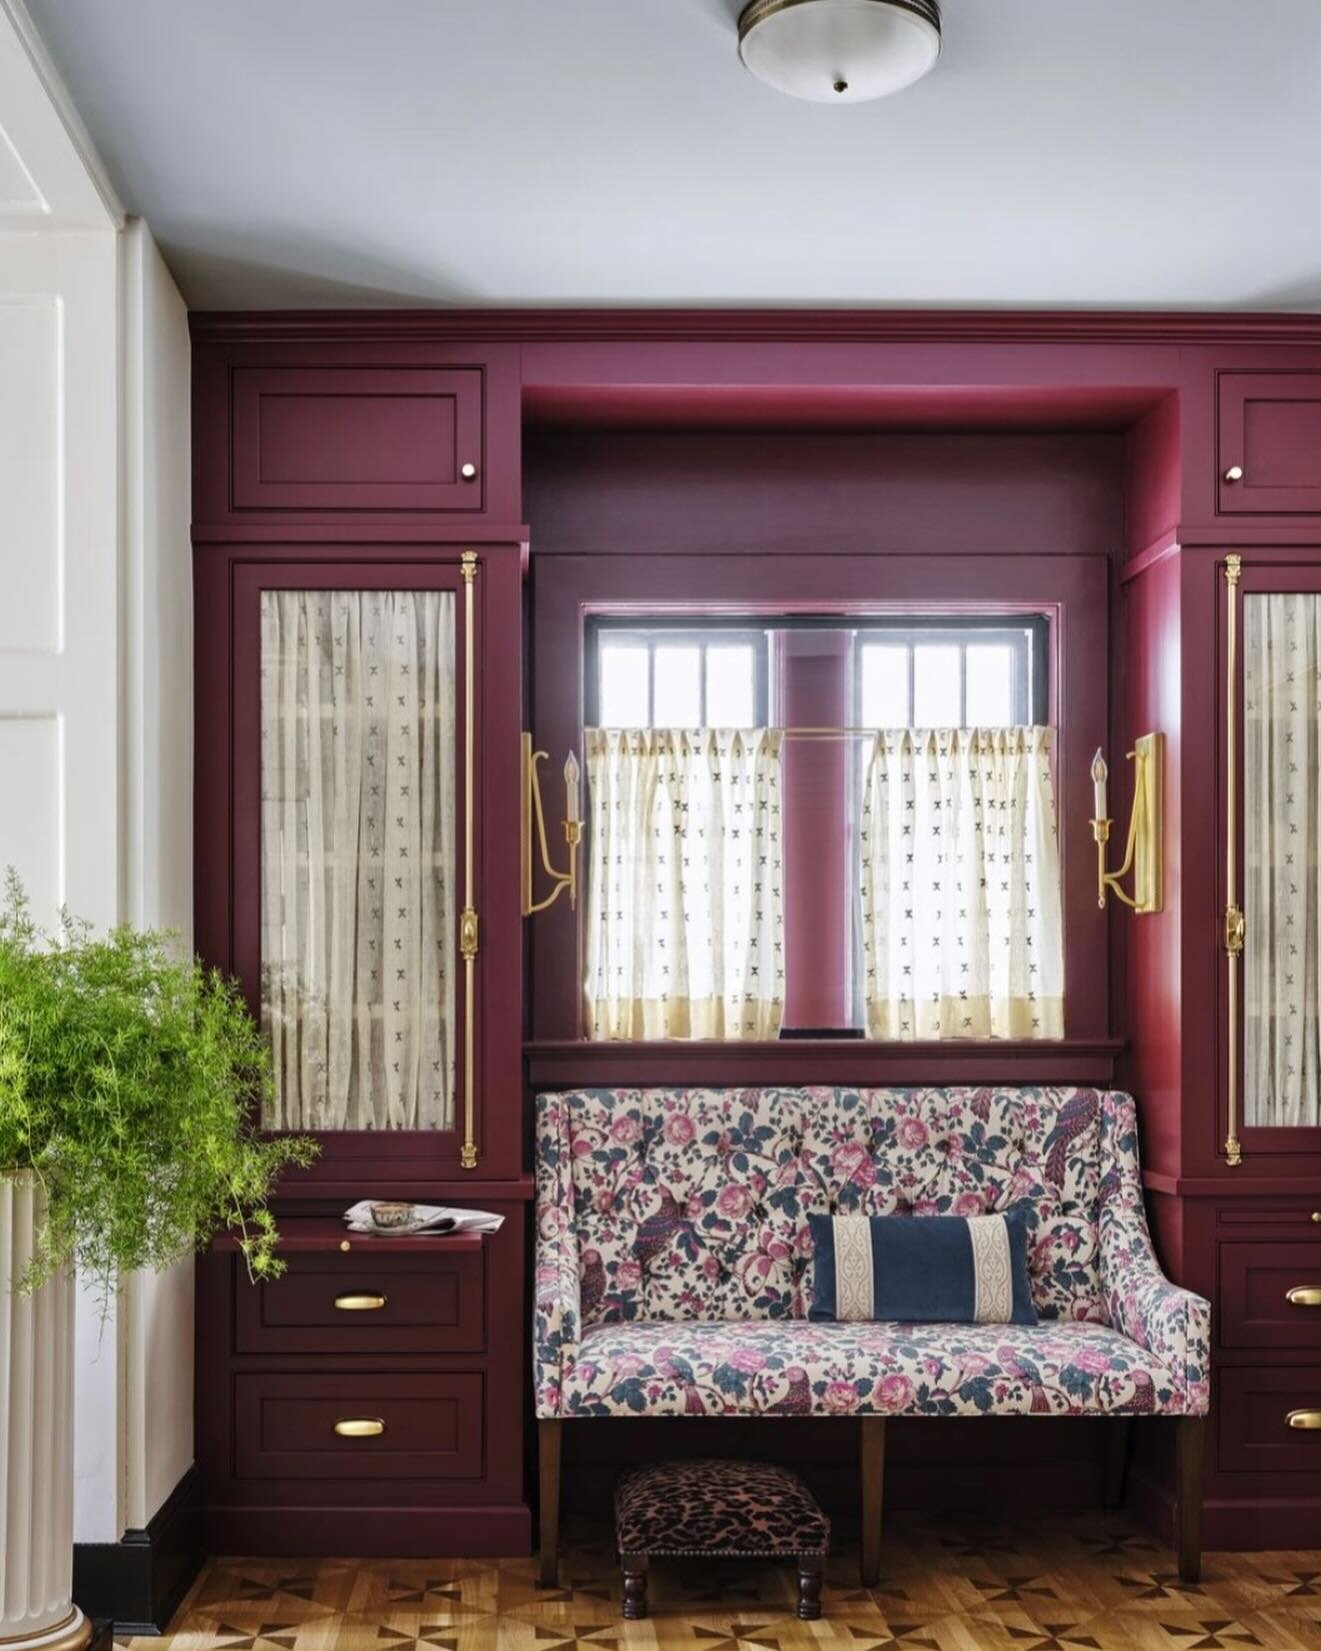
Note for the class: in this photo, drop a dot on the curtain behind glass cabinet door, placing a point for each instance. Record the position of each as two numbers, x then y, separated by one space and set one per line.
357 857
1282 859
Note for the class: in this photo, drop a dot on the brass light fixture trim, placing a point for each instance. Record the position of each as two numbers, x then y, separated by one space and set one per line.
532 816
1144 852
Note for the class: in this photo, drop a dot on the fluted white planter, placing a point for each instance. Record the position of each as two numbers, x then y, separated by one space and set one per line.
36 1441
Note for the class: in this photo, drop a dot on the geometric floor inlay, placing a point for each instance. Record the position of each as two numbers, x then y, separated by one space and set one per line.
1092 1583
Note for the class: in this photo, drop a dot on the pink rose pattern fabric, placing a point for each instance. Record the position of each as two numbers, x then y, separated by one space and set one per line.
674 1255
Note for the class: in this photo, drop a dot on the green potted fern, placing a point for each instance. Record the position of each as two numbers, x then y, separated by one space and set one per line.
130 1081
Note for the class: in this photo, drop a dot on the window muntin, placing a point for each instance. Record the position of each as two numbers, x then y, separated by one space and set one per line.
943 673
643 675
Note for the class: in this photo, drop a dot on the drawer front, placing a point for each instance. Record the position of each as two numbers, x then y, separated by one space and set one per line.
1270 431
333 1303
309 1426
1253 1407
358 438
1270 1295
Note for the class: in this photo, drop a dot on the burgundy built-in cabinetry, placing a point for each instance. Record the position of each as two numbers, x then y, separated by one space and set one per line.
372 1399
664 454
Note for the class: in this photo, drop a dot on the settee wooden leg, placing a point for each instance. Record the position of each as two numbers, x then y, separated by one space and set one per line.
811 1572
549 1436
635 1586
1118 1438
1191 1443
873 1492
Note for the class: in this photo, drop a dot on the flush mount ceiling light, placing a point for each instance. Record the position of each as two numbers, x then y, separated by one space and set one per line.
839 51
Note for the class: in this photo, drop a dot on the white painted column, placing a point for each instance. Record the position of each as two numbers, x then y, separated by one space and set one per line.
36 1441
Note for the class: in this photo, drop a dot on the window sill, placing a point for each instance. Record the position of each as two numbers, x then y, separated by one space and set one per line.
823 1061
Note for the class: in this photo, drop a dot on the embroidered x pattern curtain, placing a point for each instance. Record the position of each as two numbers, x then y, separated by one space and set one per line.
357 857
1282 892
685 924
961 921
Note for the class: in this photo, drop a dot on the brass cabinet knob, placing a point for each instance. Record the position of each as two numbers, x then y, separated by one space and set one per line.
359 1304
370 1427
1308 1420
1304 1295
468 472
1316 1215
1234 474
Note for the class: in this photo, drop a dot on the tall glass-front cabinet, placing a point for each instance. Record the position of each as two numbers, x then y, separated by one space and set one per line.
358 644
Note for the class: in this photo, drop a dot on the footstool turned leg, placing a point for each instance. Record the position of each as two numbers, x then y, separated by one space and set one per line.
810 1573
635 1586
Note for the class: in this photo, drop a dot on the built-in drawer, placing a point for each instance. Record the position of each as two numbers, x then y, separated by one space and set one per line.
341 1426
1263 1416
328 1302
1270 1295
1270 443
358 438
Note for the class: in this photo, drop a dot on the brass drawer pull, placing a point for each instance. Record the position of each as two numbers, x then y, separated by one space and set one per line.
359 1304
1308 1420
1304 1295
369 1427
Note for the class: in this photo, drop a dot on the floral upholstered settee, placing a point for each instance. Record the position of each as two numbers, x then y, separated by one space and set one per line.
673 1265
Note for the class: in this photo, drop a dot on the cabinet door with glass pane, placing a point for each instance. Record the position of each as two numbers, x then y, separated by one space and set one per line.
354 825
1273 859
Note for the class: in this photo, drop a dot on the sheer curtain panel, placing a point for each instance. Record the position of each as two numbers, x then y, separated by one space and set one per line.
357 857
1282 844
961 919
685 924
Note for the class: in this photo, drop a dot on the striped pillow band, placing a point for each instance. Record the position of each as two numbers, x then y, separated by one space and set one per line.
922 1269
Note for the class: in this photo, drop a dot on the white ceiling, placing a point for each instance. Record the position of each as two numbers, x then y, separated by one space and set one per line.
491 152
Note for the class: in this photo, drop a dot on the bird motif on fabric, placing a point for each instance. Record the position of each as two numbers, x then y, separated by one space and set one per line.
591 1284
1076 1115
798 1400
656 1234
1144 1394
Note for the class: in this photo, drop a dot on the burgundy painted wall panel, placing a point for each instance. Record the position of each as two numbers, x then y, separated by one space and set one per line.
658 493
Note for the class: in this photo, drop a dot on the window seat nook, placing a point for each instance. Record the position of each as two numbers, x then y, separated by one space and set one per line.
674 1267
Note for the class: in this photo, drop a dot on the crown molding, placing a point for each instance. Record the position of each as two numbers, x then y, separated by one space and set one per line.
844 326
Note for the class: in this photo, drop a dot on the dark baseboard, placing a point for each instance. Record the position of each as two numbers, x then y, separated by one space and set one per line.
137 1582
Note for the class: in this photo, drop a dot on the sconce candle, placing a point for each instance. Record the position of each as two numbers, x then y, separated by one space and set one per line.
572 791
1100 774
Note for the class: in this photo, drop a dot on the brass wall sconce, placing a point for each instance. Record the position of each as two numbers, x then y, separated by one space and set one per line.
1143 854
532 814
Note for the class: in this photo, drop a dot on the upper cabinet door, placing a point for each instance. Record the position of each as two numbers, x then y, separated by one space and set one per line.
358 439
363 433
1270 443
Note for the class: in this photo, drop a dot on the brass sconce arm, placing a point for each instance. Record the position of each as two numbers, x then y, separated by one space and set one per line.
533 815
1143 850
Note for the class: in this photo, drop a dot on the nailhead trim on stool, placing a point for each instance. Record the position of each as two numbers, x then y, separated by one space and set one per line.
743 1510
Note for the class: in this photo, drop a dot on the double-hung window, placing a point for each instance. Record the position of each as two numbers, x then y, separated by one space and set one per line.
865 802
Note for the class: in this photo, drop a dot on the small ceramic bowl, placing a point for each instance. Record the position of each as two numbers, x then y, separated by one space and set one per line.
389 1215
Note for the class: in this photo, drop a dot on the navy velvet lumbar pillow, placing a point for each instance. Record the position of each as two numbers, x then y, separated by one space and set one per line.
922 1269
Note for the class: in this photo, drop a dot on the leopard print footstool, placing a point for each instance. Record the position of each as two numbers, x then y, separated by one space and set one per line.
746 1510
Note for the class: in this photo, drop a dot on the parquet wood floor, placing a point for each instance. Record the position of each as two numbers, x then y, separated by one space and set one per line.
1086 1584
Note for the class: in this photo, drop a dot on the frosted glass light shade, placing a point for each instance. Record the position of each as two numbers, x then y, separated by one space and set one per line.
839 51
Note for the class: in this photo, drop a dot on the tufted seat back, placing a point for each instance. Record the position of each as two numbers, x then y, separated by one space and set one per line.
693 1203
